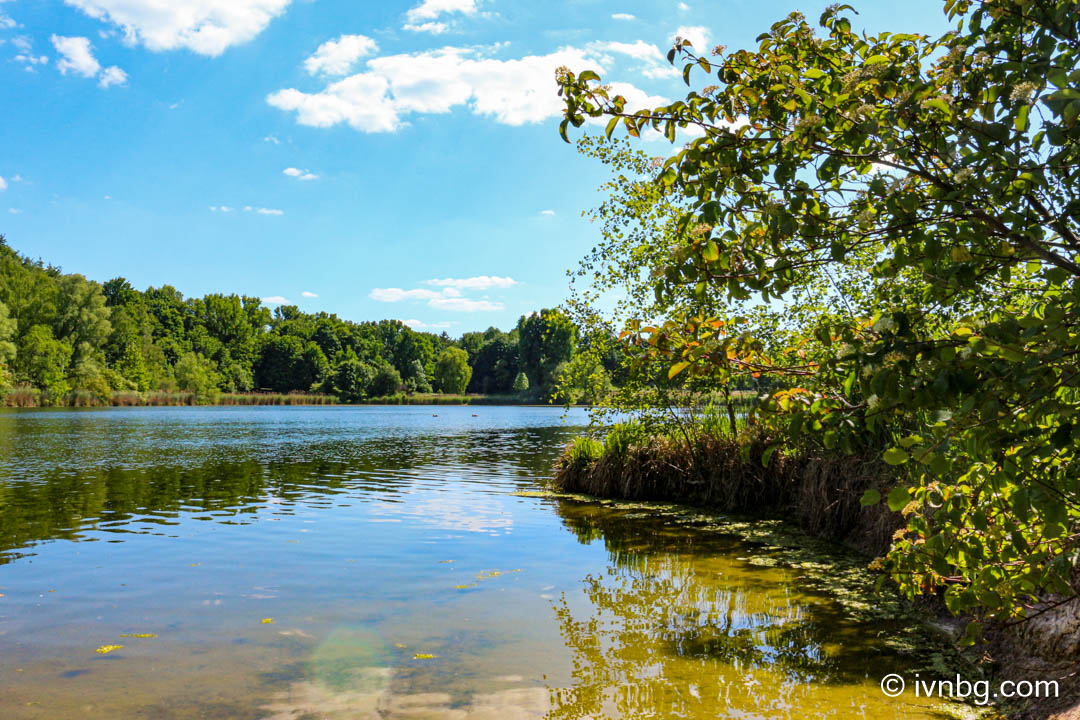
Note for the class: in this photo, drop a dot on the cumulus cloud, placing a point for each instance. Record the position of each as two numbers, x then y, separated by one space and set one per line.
272 139
398 294
268 211
112 76
76 56
337 57
465 305
207 27
299 174
547 212
275 300
3 184
480 282
623 16
420 325
448 298
435 28
29 60
213 208
309 294
424 17
683 6
393 87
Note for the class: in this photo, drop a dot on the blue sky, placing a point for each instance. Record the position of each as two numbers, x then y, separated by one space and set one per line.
372 159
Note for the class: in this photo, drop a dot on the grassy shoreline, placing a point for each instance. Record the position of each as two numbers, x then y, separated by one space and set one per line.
31 398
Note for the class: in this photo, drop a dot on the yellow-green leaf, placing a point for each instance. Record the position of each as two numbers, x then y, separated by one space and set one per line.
676 369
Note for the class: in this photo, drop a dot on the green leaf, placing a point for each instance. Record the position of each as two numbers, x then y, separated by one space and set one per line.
898 498
870 497
1021 121
769 452
588 75
711 253
896 456
676 369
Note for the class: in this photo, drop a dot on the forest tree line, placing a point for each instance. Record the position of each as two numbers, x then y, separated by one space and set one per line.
66 338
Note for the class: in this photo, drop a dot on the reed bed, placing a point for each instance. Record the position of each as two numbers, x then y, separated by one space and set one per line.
275 399
724 471
31 397
440 399
22 396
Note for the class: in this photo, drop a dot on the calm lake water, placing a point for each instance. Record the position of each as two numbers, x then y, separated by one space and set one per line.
369 562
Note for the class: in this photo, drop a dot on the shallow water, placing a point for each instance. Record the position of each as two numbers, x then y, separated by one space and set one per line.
369 562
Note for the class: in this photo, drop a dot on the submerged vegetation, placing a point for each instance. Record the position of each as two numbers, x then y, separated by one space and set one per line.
878 235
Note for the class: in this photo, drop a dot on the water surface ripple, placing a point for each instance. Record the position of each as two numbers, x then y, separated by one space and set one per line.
375 562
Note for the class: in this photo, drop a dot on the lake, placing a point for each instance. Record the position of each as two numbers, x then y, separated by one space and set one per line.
293 563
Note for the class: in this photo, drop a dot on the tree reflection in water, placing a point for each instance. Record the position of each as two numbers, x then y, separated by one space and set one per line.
684 624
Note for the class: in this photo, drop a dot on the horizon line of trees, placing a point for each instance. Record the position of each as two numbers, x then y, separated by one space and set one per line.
64 335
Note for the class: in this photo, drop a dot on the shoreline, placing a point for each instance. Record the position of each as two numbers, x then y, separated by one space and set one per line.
27 400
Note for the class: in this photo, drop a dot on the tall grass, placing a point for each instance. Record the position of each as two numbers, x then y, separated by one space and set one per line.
275 399
705 464
31 397
22 396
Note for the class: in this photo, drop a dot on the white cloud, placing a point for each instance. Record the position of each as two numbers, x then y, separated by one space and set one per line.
480 282
654 62
465 305
271 139
15 211
269 211
29 60
309 294
420 325
683 6
397 294
379 99
3 184
337 57
697 35
275 300
449 298
423 17
431 9
77 56
623 16
221 208
112 76
435 28
300 174
6 22
547 212
206 27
